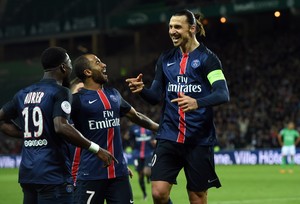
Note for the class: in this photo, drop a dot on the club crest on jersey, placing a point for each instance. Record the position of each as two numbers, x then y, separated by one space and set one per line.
195 63
66 107
69 188
113 98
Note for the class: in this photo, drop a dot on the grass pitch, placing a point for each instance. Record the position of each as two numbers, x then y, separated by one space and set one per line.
240 185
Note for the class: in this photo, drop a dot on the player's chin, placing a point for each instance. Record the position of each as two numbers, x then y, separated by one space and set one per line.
176 44
105 79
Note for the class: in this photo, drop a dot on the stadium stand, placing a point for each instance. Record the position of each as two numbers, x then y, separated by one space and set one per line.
260 56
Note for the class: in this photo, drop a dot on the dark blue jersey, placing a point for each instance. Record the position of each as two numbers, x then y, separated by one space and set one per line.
142 140
96 114
178 73
45 157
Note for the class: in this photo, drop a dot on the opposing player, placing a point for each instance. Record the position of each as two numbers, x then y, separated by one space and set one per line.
96 112
190 80
43 109
288 139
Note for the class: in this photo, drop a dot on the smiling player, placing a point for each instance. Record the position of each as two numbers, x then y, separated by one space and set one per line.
191 80
96 113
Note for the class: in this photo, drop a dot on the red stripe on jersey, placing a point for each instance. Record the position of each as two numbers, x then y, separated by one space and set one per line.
183 63
143 143
182 123
110 148
75 164
104 99
110 135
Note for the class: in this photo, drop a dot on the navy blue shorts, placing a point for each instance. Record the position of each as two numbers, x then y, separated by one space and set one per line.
197 161
117 190
47 194
140 164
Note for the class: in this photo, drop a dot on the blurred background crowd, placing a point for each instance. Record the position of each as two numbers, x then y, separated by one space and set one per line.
259 50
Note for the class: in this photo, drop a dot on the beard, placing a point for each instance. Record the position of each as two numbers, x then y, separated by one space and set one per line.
99 79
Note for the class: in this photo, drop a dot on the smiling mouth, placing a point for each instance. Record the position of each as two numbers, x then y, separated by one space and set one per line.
104 72
175 39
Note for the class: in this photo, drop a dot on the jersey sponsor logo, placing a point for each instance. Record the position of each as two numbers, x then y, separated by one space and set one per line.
66 107
35 143
185 88
170 63
144 138
107 123
93 101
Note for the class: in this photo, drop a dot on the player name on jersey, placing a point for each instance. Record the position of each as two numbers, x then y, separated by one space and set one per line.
33 97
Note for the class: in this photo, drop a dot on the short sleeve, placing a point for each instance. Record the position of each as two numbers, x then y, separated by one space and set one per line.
62 103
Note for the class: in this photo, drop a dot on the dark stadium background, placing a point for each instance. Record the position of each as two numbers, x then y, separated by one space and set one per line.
260 54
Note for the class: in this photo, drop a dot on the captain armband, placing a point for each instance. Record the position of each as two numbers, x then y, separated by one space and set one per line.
215 76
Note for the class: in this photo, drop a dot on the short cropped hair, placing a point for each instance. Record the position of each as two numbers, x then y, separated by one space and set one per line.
80 64
53 57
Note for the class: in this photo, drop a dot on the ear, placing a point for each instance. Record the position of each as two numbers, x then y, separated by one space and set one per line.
193 28
87 72
63 68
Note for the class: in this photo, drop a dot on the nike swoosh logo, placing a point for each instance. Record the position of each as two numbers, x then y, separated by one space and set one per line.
170 64
210 181
93 101
131 201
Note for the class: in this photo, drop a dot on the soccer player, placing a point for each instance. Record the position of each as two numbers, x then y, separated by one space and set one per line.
143 144
75 85
96 112
43 109
190 79
288 139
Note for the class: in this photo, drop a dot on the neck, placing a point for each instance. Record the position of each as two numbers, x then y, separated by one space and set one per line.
91 85
190 46
52 75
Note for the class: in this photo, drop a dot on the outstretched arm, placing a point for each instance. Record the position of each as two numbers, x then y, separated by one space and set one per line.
151 95
141 120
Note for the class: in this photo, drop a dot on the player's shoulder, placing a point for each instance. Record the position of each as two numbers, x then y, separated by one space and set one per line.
112 91
51 86
206 51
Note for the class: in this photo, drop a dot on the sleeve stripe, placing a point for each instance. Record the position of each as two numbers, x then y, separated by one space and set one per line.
215 76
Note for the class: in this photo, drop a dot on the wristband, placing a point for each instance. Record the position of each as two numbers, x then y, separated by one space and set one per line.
94 147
